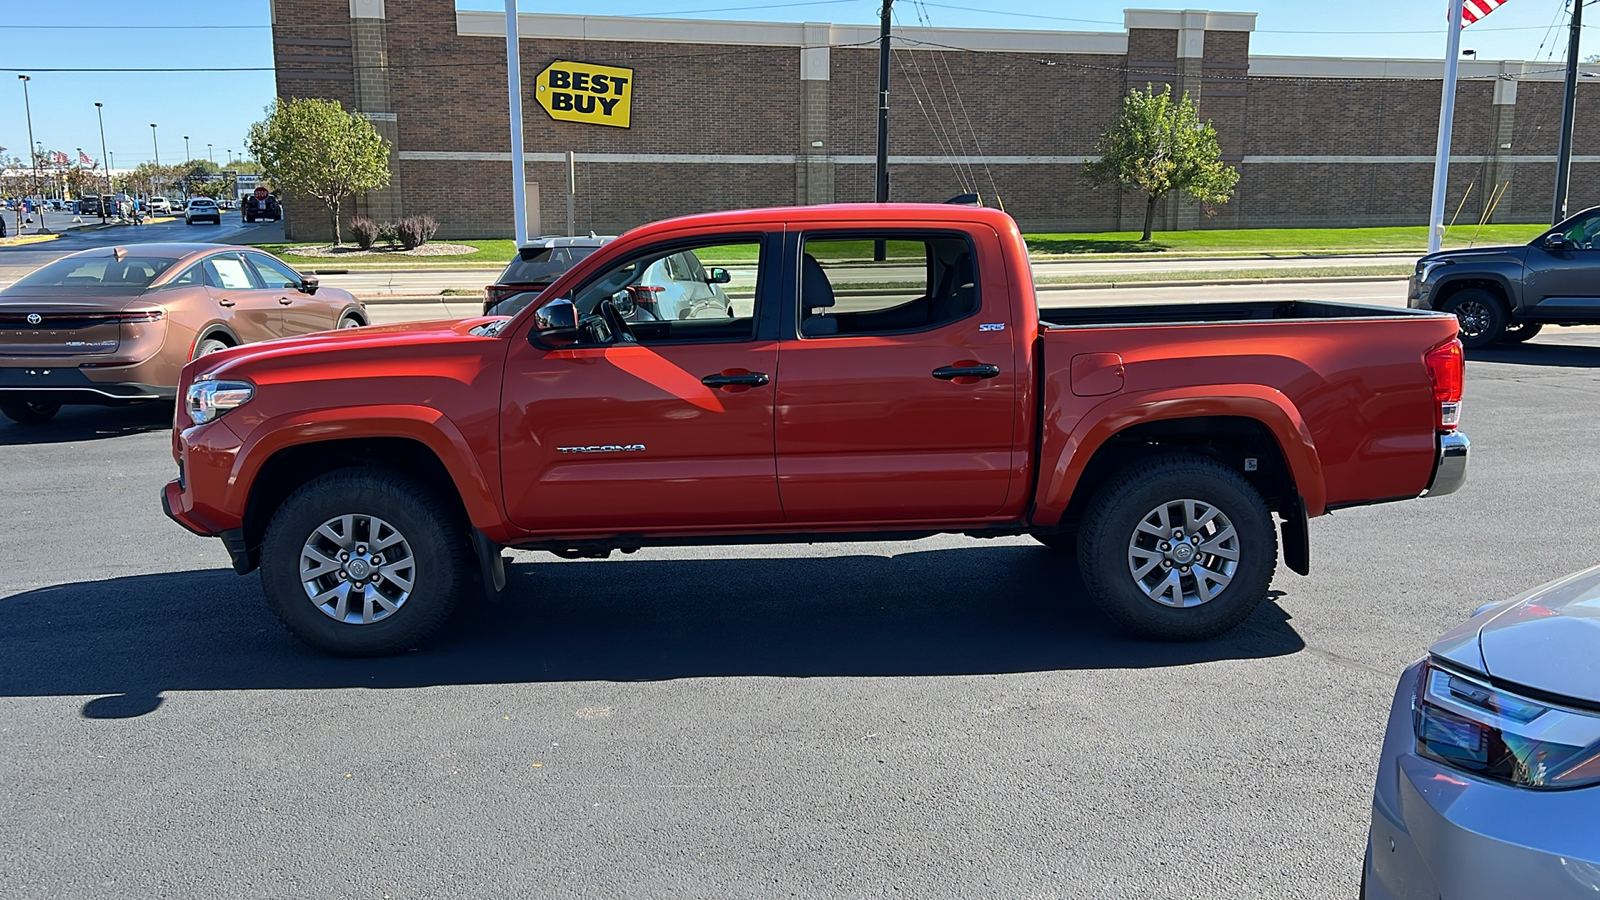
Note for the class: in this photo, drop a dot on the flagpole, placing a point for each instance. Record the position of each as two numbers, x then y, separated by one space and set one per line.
1447 113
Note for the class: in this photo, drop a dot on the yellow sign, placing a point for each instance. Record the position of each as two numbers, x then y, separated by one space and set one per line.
580 92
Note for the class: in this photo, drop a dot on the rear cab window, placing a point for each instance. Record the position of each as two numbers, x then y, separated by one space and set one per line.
95 275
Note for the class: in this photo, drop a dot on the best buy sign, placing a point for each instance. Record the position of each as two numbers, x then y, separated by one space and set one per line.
580 92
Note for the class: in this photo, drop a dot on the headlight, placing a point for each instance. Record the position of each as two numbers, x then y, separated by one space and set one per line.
1466 723
1426 267
206 400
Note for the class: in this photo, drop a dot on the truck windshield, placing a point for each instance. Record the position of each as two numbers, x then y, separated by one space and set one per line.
95 275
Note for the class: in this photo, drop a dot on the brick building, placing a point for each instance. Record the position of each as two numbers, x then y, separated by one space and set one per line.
738 114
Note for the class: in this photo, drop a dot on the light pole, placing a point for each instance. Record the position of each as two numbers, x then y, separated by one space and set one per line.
186 159
211 155
157 147
28 111
105 158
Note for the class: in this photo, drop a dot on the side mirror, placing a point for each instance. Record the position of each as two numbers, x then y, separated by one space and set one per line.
308 284
555 324
720 275
1555 241
623 302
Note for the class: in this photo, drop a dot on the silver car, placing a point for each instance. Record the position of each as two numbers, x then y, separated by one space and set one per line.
1489 781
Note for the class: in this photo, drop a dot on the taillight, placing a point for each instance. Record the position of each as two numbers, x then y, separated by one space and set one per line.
1447 370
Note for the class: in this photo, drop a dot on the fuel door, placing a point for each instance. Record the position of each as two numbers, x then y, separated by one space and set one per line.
1096 374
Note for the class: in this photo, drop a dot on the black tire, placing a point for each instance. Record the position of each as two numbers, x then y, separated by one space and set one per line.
29 412
1061 543
1111 526
1481 316
209 345
1521 332
432 534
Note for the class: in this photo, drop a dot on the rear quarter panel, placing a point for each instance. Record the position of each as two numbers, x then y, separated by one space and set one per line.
1349 401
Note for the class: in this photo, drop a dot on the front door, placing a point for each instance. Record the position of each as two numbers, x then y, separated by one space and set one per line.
302 313
898 394
1564 284
252 311
669 429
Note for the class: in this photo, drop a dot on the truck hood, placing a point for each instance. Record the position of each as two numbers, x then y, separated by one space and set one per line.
1547 639
347 342
1478 255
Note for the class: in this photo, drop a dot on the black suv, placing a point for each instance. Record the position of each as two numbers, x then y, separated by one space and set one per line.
1506 294
265 208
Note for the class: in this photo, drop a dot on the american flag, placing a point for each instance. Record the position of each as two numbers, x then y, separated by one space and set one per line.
83 159
1473 10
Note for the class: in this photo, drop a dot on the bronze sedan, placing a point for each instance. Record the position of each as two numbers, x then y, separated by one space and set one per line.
115 325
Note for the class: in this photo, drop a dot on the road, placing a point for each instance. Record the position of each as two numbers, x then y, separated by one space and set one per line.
20 259
943 718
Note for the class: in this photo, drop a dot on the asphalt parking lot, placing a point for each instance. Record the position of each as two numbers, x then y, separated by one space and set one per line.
944 718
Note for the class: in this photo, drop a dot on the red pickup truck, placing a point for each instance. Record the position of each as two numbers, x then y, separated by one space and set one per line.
374 475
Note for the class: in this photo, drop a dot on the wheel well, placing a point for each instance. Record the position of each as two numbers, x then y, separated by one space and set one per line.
1231 440
352 314
292 467
1495 289
219 333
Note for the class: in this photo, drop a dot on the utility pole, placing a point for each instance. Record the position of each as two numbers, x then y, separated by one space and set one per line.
882 194
1569 105
1447 112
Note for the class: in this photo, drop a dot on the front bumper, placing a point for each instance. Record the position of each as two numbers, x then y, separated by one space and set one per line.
1438 832
1450 467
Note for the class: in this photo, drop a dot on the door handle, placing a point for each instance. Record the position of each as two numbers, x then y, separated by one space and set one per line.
951 373
748 379
286 300
224 301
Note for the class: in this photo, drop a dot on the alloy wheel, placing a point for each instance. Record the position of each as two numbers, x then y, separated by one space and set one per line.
1183 553
357 569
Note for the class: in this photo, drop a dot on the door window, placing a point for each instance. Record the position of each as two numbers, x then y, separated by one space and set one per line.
1583 233
668 295
923 282
273 274
228 272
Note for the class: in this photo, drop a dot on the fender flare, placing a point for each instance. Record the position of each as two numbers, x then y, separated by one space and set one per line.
1058 478
428 427
1510 287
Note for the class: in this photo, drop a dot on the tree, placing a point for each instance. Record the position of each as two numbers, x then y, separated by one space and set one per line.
1157 146
314 147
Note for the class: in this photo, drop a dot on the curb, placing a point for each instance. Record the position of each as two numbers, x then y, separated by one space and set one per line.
23 240
1334 279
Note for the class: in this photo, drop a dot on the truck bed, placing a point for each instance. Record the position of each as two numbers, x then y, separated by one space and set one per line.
1217 313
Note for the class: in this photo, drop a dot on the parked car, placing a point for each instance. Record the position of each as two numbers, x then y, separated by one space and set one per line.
115 325
536 267
1508 294
1154 441
1489 779
160 206
257 209
202 209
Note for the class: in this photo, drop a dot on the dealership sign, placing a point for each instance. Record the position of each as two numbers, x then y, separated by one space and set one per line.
581 92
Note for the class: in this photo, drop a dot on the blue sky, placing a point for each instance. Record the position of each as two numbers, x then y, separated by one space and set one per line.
217 107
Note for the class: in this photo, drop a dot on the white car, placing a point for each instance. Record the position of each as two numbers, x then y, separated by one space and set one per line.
160 206
202 208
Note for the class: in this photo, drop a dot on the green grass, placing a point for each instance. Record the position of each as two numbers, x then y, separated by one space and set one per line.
491 254
1221 275
1288 241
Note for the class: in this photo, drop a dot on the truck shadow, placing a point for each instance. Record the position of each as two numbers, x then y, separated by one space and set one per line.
90 423
959 611
1534 353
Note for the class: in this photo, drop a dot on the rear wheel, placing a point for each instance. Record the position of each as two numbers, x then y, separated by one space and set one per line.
29 412
1521 332
1178 548
1480 315
363 562
209 345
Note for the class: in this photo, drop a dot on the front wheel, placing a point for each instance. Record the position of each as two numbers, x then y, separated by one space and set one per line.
363 562
1178 548
29 412
1480 316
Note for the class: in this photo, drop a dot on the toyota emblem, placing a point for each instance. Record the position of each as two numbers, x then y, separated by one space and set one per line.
35 318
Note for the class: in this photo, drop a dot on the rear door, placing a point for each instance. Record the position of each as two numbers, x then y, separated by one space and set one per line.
249 308
897 396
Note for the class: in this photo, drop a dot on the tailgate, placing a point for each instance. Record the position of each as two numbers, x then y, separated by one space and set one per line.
53 330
